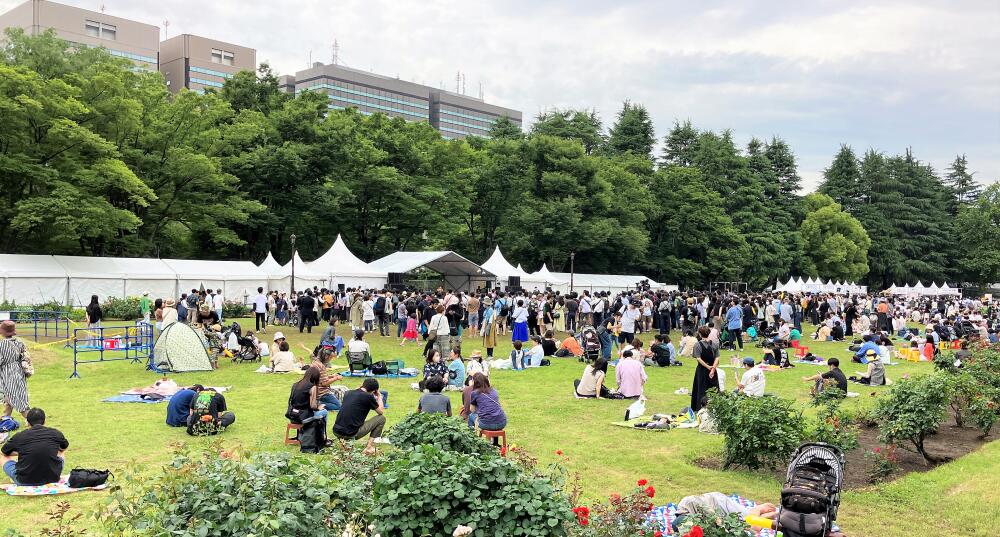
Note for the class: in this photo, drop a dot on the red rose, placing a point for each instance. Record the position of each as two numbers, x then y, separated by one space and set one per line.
615 498
642 482
658 533
583 521
559 452
650 491
695 532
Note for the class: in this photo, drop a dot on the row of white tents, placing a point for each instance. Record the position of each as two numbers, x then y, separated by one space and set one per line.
814 285
921 290
34 279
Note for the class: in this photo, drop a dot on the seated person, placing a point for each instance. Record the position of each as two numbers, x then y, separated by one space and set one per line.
784 332
456 369
517 356
352 420
663 351
206 317
209 414
434 402
630 376
533 358
466 412
705 422
261 347
569 347
38 450
548 344
485 404
278 338
963 354
304 405
824 333
358 344
644 356
591 384
875 376
867 345
477 365
834 376
321 362
687 344
721 505
752 382
657 421
284 361
179 406
929 350
433 368
837 332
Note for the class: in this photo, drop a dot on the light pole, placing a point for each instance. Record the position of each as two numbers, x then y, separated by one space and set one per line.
293 266
572 269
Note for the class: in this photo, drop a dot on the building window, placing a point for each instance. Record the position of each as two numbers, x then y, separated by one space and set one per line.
222 56
101 30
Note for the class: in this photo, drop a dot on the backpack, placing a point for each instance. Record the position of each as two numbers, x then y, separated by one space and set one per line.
380 304
379 368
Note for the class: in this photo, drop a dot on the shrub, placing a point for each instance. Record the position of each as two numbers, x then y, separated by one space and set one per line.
984 405
427 491
833 425
234 310
759 432
121 308
709 524
913 409
620 516
267 494
884 462
448 434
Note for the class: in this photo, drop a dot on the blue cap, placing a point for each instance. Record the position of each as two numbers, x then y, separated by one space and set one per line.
748 361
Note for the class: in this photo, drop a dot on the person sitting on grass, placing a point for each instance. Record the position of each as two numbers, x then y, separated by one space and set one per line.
485 404
663 351
591 384
533 357
36 455
875 375
209 414
179 406
330 337
548 344
867 346
434 402
630 375
433 368
834 376
752 382
284 361
517 356
569 347
456 369
477 365
352 420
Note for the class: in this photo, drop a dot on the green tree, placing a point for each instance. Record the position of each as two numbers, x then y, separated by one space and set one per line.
679 145
842 179
581 125
632 132
962 182
505 129
836 243
260 91
980 225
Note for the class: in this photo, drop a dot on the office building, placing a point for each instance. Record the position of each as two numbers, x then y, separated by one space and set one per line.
454 115
197 63
124 38
286 83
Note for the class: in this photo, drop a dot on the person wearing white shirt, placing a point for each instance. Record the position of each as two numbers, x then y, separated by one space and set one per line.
368 314
358 344
752 382
217 303
585 310
630 317
260 311
533 358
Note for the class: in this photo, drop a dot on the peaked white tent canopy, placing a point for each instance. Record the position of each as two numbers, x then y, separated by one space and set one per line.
306 277
235 278
32 279
269 265
343 267
117 276
459 273
542 278
605 282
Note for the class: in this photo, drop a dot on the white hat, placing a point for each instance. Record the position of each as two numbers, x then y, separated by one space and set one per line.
146 293
278 335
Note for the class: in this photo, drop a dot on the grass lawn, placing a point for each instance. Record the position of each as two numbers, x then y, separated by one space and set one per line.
958 498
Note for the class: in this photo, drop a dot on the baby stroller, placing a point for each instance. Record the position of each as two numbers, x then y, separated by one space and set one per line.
591 344
248 351
811 495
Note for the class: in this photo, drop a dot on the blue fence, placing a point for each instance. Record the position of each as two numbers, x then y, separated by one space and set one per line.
111 344
40 324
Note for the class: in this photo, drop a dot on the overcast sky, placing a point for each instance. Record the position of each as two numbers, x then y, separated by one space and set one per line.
869 74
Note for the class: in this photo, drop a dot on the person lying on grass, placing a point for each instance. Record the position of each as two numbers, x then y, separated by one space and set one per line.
721 505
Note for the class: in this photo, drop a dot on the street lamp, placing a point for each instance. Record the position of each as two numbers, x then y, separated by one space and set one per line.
572 269
293 266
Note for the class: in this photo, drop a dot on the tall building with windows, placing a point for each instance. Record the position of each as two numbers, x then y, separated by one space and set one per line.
124 38
454 115
197 63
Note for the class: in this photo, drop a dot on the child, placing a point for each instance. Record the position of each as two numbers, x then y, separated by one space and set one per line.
434 402
929 349
411 329
517 356
477 365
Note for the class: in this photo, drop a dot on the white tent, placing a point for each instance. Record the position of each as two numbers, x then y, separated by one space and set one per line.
542 279
343 267
459 273
32 279
269 265
306 277
613 283
118 277
236 278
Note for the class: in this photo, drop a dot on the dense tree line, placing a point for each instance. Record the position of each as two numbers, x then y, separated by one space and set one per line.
97 158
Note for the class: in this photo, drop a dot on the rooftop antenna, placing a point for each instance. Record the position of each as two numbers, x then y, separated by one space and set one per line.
458 80
310 58
336 52
481 91
463 83
102 8
166 28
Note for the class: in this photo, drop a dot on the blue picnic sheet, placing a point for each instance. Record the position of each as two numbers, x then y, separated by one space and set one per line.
367 373
133 399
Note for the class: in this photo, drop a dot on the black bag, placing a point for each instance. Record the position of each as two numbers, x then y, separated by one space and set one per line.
80 478
312 436
379 368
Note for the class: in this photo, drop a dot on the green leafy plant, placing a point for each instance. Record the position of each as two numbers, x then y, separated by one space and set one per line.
833 425
121 308
913 409
884 462
428 491
438 430
234 310
219 493
759 432
620 516
703 523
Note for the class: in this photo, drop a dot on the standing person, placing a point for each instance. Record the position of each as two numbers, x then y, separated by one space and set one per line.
15 368
559 316
379 306
191 306
631 317
281 309
357 312
352 422
473 308
170 313
272 308
439 325
705 376
368 313
93 313
40 453
572 306
489 330
145 307
520 315
158 313
217 303
306 304
585 310
734 323
260 311
401 320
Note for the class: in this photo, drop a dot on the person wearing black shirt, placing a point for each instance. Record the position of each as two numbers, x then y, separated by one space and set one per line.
834 374
352 422
549 344
206 317
306 305
94 313
209 414
39 452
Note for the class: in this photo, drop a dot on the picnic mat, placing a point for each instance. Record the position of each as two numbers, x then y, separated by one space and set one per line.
46 490
133 399
401 374
664 516
631 424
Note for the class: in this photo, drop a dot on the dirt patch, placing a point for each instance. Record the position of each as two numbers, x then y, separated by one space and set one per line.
949 443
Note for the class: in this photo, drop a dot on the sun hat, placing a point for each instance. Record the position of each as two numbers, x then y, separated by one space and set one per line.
8 328
169 302
871 352
278 335
145 293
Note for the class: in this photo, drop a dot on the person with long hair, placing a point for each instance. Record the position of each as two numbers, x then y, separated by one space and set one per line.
94 314
485 404
520 316
705 373
591 384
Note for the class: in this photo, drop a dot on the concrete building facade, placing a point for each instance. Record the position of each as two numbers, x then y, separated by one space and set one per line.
198 63
136 41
